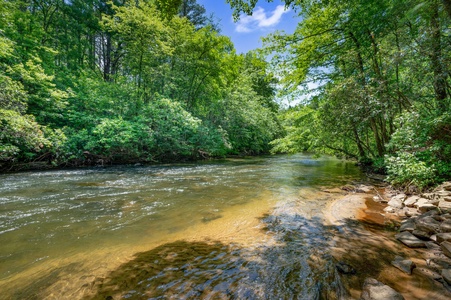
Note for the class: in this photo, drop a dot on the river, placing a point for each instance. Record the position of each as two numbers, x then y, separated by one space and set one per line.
237 228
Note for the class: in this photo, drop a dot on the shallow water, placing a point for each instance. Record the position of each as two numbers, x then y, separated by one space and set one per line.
238 228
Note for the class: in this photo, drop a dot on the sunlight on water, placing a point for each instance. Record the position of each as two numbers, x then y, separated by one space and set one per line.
62 231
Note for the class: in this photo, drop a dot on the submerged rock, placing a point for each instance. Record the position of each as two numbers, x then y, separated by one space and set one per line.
345 268
404 265
446 274
446 248
376 290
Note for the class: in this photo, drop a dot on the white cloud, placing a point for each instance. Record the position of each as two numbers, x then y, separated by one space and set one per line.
260 19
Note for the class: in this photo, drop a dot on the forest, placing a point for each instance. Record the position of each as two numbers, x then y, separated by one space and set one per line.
94 82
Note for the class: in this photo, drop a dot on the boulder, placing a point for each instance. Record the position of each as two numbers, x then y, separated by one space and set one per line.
390 210
446 248
446 186
407 225
364 189
410 202
422 235
405 265
422 201
376 290
396 202
445 205
445 226
446 274
410 240
410 212
427 224
426 207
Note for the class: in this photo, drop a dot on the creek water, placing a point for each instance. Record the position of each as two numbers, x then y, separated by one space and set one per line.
239 228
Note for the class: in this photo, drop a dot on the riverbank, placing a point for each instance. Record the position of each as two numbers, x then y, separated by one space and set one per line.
366 242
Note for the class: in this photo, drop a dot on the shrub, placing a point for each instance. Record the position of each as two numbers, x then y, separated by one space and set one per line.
406 170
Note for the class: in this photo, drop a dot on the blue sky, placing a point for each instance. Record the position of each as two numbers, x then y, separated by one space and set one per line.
246 32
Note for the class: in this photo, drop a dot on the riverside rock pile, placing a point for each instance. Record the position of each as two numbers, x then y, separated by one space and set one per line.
427 225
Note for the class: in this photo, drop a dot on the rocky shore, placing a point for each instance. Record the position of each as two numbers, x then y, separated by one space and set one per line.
426 223
410 258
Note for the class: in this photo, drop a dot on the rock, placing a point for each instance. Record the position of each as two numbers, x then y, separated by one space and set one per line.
428 272
404 265
410 212
396 202
446 248
376 290
447 199
407 225
446 217
446 274
422 201
411 201
443 237
427 224
344 268
364 189
410 240
426 207
421 235
445 186
400 197
390 210
445 206
432 246
445 226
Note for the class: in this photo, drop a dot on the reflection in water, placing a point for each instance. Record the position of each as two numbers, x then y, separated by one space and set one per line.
74 234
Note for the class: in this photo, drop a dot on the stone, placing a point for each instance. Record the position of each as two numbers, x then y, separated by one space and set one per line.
407 225
427 224
405 265
410 212
390 210
421 235
446 274
428 272
410 202
444 206
446 248
445 186
364 189
445 226
401 197
376 290
396 202
446 216
443 237
447 199
426 207
422 201
410 240
345 268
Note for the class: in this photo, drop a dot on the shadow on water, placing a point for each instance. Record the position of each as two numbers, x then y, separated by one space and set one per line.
301 264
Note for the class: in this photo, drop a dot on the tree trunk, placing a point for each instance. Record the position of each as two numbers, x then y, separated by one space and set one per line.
436 59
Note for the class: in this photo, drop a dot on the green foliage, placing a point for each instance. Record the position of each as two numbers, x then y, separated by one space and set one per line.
406 170
20 136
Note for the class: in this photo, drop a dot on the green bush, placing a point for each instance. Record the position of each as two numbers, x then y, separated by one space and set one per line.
406 170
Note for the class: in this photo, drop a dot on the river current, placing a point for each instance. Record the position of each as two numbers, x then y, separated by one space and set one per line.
233 229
